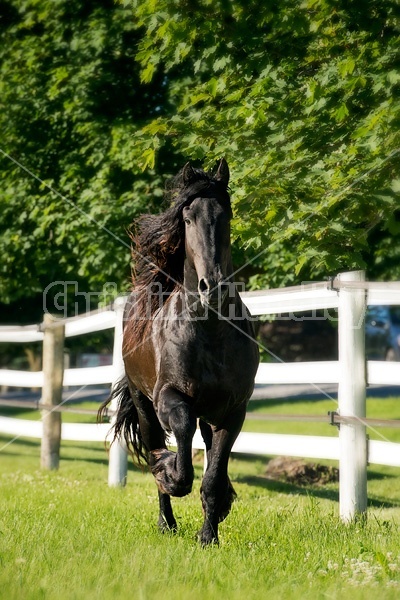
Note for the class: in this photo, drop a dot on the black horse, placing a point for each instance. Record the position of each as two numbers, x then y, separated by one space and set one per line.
188 346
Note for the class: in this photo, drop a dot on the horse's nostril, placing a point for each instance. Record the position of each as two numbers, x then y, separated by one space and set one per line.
203 286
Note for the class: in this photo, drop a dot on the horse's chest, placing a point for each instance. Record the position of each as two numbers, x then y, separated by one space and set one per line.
205 371
207 376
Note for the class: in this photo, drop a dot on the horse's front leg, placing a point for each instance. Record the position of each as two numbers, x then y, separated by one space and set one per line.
217 493
173 471
153 437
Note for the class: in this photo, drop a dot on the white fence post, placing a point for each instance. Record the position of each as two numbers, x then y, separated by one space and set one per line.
118 456
352 402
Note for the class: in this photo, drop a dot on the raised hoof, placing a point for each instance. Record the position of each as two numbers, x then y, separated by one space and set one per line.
164 471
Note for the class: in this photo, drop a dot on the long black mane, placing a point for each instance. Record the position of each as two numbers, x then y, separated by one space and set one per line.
158 250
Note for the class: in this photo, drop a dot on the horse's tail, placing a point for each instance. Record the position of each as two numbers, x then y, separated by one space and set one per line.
126 423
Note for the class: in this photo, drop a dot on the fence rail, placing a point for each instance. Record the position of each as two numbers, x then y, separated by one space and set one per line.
331 418
348 294
312 372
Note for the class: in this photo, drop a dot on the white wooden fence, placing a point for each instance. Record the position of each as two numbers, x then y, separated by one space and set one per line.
349 293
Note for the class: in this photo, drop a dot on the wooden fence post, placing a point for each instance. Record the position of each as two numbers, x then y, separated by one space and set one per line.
53 374
351 397
118 456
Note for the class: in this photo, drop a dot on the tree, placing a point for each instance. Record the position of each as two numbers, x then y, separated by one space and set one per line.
302 99
71 103
101 101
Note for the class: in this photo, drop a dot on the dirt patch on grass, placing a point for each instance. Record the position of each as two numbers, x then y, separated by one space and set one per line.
300 472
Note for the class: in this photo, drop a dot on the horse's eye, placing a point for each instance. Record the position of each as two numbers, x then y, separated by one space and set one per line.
186 215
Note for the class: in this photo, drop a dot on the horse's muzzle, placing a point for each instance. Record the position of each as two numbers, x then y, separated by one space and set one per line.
212 293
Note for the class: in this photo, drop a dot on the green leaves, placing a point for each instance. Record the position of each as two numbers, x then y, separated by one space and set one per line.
302 99
302 103
70 106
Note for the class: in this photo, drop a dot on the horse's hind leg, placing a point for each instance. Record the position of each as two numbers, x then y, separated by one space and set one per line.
153 437
217 493
174 471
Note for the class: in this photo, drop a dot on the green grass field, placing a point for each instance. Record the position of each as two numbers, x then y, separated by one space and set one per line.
66 535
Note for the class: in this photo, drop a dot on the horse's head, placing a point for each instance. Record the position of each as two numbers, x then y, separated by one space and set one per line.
206 219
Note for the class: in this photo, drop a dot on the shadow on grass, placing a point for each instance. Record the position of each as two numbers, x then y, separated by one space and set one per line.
19 441
102 461
282 487
69 451
325 493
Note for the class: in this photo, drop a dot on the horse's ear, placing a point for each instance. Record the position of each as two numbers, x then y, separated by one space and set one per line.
188 174
222 173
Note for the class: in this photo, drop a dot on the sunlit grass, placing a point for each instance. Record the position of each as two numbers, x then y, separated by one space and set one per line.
67 535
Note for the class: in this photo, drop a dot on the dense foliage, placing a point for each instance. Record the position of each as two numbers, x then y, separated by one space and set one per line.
70 94
302 99
101 101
